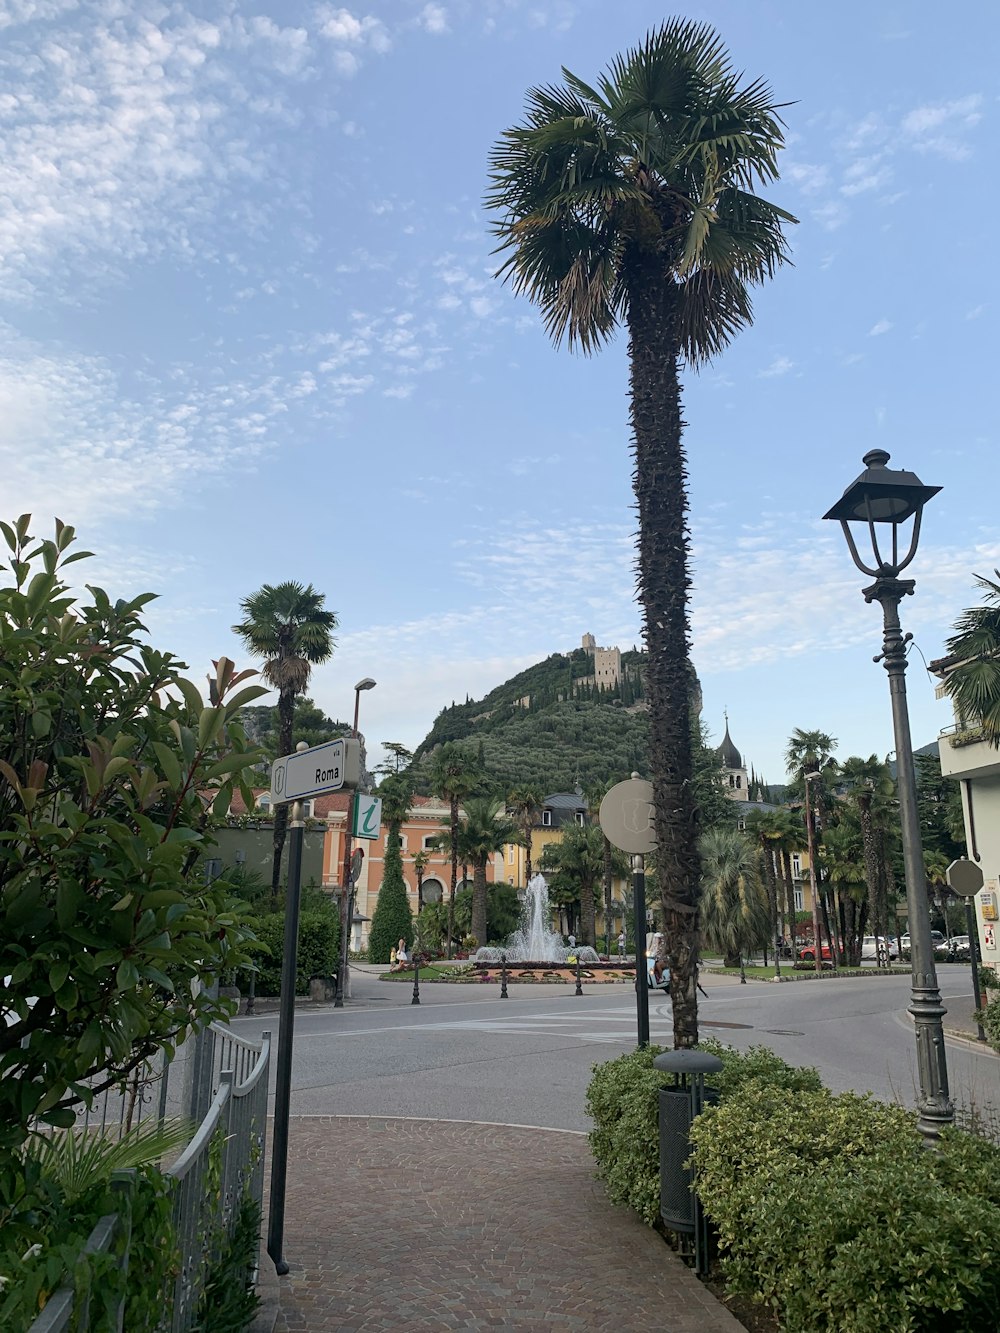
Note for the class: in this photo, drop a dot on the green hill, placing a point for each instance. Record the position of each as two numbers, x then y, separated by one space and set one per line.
548 727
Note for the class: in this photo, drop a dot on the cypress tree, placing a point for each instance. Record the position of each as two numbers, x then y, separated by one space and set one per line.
392 919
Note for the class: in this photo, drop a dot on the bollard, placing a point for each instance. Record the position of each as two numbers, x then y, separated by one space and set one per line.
579 983
680 1207
416 979
503 977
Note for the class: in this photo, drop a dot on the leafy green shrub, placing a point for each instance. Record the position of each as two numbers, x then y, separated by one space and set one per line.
229 1301
319 936
830 1210
990 1018
67 1181
623 1103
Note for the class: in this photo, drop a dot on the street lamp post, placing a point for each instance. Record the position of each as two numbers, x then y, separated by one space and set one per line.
885 496
347 888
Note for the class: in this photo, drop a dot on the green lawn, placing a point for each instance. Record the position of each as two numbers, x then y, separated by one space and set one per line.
428 972
767 973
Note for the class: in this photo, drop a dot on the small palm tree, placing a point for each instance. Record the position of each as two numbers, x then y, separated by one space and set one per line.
974 681
421 860
523 804
578 862
484 832
733 908
288 626
632 204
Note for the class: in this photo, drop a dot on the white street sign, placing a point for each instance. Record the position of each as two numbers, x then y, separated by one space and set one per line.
626 816
367 816
326 767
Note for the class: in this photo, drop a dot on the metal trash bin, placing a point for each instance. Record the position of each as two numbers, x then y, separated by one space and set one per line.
679 1207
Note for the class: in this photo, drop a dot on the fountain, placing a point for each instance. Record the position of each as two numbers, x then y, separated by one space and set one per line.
535 941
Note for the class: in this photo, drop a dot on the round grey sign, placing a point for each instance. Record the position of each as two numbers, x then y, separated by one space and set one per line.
964 878
626 816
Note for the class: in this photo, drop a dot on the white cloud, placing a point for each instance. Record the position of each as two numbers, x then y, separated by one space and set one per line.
882 326
781 365
434 19
939 127
346 29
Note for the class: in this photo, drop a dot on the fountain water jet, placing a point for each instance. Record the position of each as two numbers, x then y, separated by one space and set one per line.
535 941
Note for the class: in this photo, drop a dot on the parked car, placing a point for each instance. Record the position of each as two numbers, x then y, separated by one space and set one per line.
808 953
937 940
869 945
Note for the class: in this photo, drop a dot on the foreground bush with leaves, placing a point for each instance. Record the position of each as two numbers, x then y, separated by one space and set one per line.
65 1189
831 1211
110 761
622 1101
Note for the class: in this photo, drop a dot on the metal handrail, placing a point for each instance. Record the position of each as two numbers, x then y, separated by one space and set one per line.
205 1130
259 1070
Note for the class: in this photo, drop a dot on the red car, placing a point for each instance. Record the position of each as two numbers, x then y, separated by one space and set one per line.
808 953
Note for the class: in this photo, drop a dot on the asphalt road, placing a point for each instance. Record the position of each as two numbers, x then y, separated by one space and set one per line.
465 1054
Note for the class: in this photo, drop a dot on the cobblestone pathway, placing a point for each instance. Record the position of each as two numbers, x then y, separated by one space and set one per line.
416 1225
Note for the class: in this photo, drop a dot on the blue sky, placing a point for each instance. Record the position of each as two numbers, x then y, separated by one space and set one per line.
250 333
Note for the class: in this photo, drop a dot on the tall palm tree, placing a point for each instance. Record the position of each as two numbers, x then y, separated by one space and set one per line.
974 681
288 626
453 777
767 830
811 752
867 782
632 204
484 832
735 913
523 804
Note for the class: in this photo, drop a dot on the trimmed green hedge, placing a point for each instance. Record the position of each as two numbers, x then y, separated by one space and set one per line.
831 1211
319 935
622 1101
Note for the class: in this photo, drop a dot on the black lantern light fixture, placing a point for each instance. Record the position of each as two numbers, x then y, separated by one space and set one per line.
884 498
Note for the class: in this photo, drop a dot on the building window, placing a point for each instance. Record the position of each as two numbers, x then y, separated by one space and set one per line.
307 809
579 817
430 842
402 842
264 803
739 781
798 900
510 879
741 824
796 866
546 818
510 855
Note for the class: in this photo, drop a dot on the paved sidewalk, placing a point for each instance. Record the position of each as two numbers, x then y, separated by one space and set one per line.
421 1225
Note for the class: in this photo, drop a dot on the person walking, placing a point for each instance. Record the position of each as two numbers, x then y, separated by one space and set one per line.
621 944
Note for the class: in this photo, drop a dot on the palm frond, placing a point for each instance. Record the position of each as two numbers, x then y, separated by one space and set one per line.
76 1160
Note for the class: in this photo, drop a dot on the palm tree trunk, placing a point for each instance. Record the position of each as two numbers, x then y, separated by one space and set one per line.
479 927
871 868
772 897
527 853
659 481
454 870
588 924
286 722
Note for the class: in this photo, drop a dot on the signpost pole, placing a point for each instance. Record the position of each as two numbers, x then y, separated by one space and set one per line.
286 1028
966 879
639 914
346 894
626 817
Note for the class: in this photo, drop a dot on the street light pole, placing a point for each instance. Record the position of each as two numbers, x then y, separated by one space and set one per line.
884 496
347 888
